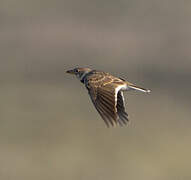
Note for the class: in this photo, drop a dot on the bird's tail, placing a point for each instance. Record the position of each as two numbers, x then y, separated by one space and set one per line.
134 87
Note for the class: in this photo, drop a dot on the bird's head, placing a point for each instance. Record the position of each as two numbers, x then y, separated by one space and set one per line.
79 72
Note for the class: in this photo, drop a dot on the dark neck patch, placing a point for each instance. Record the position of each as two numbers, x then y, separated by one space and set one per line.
83 79
87 74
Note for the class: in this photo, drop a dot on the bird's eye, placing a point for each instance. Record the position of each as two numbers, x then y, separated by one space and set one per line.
76 70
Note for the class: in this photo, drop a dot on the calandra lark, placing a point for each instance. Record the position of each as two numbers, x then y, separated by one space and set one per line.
106 92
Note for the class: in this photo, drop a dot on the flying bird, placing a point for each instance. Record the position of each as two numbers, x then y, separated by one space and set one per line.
106 93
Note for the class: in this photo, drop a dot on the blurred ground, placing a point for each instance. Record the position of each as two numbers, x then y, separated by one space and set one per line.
49 128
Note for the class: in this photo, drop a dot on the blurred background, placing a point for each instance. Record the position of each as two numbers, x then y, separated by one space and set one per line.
49 128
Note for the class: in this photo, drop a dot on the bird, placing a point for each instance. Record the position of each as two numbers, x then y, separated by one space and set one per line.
106 93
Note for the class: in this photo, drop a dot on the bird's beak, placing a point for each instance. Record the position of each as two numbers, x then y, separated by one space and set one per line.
70 71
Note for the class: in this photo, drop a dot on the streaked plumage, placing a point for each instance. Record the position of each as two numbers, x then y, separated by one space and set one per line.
106 93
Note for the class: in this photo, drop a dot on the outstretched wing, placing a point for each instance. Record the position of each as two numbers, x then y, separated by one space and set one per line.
107 98
109 104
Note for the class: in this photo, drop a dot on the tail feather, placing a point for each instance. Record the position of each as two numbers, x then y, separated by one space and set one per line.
134 87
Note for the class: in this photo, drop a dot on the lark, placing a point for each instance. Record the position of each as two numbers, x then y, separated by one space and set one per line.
106 93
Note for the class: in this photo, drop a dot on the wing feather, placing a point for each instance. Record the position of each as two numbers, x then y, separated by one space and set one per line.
121 108
107 99
106 113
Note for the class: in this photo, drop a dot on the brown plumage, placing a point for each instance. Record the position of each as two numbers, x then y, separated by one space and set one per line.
106 93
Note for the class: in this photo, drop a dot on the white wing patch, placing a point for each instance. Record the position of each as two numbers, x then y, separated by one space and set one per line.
119 88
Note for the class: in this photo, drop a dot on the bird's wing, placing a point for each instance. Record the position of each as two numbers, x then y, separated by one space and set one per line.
104 102
109 102
123 116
